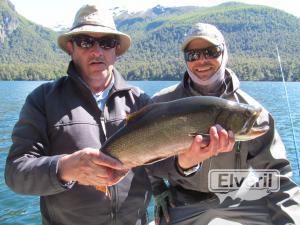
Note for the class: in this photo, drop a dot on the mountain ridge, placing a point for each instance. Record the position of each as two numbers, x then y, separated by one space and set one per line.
29 51
251 33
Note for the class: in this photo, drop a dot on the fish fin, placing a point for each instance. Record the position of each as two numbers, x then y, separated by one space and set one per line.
136 115
101 188
194 134
205 137
104 189
154 160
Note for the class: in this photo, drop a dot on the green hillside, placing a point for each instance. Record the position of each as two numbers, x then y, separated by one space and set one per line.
252 33
29 51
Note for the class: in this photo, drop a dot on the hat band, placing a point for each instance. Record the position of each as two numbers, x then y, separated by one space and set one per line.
91 24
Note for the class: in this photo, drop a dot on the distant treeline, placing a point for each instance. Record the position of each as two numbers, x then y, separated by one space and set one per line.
30 52
31 71
251 32
246 69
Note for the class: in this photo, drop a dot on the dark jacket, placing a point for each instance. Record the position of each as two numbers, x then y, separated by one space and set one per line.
265 152
62 117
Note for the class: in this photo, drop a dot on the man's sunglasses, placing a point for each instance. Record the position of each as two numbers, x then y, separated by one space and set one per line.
211 52
88 42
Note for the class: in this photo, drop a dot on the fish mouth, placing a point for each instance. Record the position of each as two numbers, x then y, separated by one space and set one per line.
253 133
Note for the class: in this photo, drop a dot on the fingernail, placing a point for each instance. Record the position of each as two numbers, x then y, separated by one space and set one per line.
198 138
218 126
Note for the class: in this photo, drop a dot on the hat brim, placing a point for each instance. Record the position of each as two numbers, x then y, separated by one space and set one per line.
211 40
124 39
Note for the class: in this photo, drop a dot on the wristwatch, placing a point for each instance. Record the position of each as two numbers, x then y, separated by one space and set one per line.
189 171
67 185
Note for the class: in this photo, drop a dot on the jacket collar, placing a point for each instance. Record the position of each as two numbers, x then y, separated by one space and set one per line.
119 85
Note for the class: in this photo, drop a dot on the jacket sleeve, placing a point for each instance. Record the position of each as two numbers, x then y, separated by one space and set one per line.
270 153
29 168
167 170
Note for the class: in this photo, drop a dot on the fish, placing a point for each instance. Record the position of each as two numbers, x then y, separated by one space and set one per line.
161 130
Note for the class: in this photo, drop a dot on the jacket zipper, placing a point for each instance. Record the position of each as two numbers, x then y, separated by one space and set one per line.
112 189
113 214
238 156
238 148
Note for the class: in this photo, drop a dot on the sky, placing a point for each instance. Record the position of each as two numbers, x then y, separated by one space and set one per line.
61 12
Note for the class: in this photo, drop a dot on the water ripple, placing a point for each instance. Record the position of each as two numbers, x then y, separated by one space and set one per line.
18 209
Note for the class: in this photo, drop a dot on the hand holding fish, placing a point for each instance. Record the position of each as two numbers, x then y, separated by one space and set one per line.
162 130
220 141
90 167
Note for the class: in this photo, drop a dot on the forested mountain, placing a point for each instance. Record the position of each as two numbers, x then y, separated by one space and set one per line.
251 32
29 51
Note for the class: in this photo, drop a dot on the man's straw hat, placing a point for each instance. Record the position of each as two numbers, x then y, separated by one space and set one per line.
94 20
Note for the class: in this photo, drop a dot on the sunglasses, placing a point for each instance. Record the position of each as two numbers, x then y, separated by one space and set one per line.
88 42
211 52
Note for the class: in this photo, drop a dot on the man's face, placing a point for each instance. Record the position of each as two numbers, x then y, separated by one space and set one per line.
204 67
93 56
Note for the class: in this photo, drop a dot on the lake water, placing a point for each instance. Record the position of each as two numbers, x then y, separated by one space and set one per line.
17 209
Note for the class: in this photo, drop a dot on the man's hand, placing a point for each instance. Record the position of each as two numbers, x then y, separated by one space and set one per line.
220 141
90 167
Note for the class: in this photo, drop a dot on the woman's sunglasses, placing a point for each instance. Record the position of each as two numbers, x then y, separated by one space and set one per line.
211 52
88 42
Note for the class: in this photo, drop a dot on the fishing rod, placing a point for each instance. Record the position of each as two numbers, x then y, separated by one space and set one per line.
289 109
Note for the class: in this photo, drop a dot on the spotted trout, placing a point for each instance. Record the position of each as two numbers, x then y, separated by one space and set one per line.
161 130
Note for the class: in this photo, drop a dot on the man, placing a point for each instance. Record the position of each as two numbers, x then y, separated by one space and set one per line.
206 56
63 124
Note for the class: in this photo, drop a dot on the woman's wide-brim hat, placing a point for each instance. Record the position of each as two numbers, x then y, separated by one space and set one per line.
94 20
